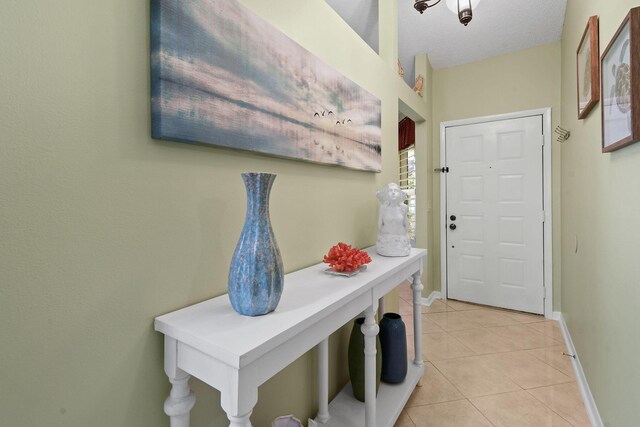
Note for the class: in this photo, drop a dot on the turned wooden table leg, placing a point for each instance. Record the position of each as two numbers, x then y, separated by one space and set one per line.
323 382
238 398
370 330
180 401
417 319
242 421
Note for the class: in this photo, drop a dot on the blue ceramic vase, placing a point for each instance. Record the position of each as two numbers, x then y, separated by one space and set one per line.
256 273
393 342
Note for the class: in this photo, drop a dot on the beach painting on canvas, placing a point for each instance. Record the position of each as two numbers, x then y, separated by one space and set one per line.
223 76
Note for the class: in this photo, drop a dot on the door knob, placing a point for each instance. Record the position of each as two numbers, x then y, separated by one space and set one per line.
452 226
452 217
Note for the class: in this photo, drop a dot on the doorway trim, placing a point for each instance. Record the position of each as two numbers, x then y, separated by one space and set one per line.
547 200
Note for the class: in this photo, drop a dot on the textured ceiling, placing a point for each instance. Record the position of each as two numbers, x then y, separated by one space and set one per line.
498 27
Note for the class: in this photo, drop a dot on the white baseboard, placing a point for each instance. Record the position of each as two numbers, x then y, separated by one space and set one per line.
431 298
557 315
589 402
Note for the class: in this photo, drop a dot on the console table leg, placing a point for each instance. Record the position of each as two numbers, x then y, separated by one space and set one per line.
180 401
243 421
323 382
370 330
238 399
417 319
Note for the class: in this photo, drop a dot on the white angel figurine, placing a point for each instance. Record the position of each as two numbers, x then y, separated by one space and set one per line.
393 237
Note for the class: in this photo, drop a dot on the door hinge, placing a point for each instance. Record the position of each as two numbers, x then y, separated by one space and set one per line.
543 216
442 170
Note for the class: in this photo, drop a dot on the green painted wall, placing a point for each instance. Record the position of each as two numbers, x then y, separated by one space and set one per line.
601 210
523 80
424 176
103 228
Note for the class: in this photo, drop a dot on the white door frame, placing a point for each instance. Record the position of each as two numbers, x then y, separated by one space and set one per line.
548 219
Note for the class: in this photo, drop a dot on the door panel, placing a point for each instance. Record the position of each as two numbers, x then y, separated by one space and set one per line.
494 190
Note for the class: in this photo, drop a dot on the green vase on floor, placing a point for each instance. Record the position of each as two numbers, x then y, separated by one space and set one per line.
356 360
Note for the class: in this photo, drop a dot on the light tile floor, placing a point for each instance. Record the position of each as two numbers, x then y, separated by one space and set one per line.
490 367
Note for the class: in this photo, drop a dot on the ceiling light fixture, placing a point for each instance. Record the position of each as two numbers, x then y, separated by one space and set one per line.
464 8
422 5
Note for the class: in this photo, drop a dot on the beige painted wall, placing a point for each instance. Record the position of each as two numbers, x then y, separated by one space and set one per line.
104 228
601 209
519 81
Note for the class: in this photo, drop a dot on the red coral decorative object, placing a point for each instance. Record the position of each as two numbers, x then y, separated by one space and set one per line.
343 257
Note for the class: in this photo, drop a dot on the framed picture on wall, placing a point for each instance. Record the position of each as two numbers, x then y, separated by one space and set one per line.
620 81
588 68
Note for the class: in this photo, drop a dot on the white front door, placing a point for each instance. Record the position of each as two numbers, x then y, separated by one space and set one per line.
494 214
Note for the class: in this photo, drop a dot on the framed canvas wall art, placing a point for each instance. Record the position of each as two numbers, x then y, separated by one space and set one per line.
223 76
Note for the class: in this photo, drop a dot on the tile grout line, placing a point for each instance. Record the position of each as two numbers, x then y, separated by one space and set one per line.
488 328
547 406
548 364
483 414
535 398
449 380
409 416
450 401
468 397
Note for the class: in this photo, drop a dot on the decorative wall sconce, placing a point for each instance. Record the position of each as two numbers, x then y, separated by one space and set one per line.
563 134
463 8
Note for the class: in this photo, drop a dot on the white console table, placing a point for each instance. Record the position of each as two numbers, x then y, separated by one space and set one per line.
236 354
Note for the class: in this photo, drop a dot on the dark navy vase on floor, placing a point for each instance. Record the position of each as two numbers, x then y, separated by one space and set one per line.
256 273
393 341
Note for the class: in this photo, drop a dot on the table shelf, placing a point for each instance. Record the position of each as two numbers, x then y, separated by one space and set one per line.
346 411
